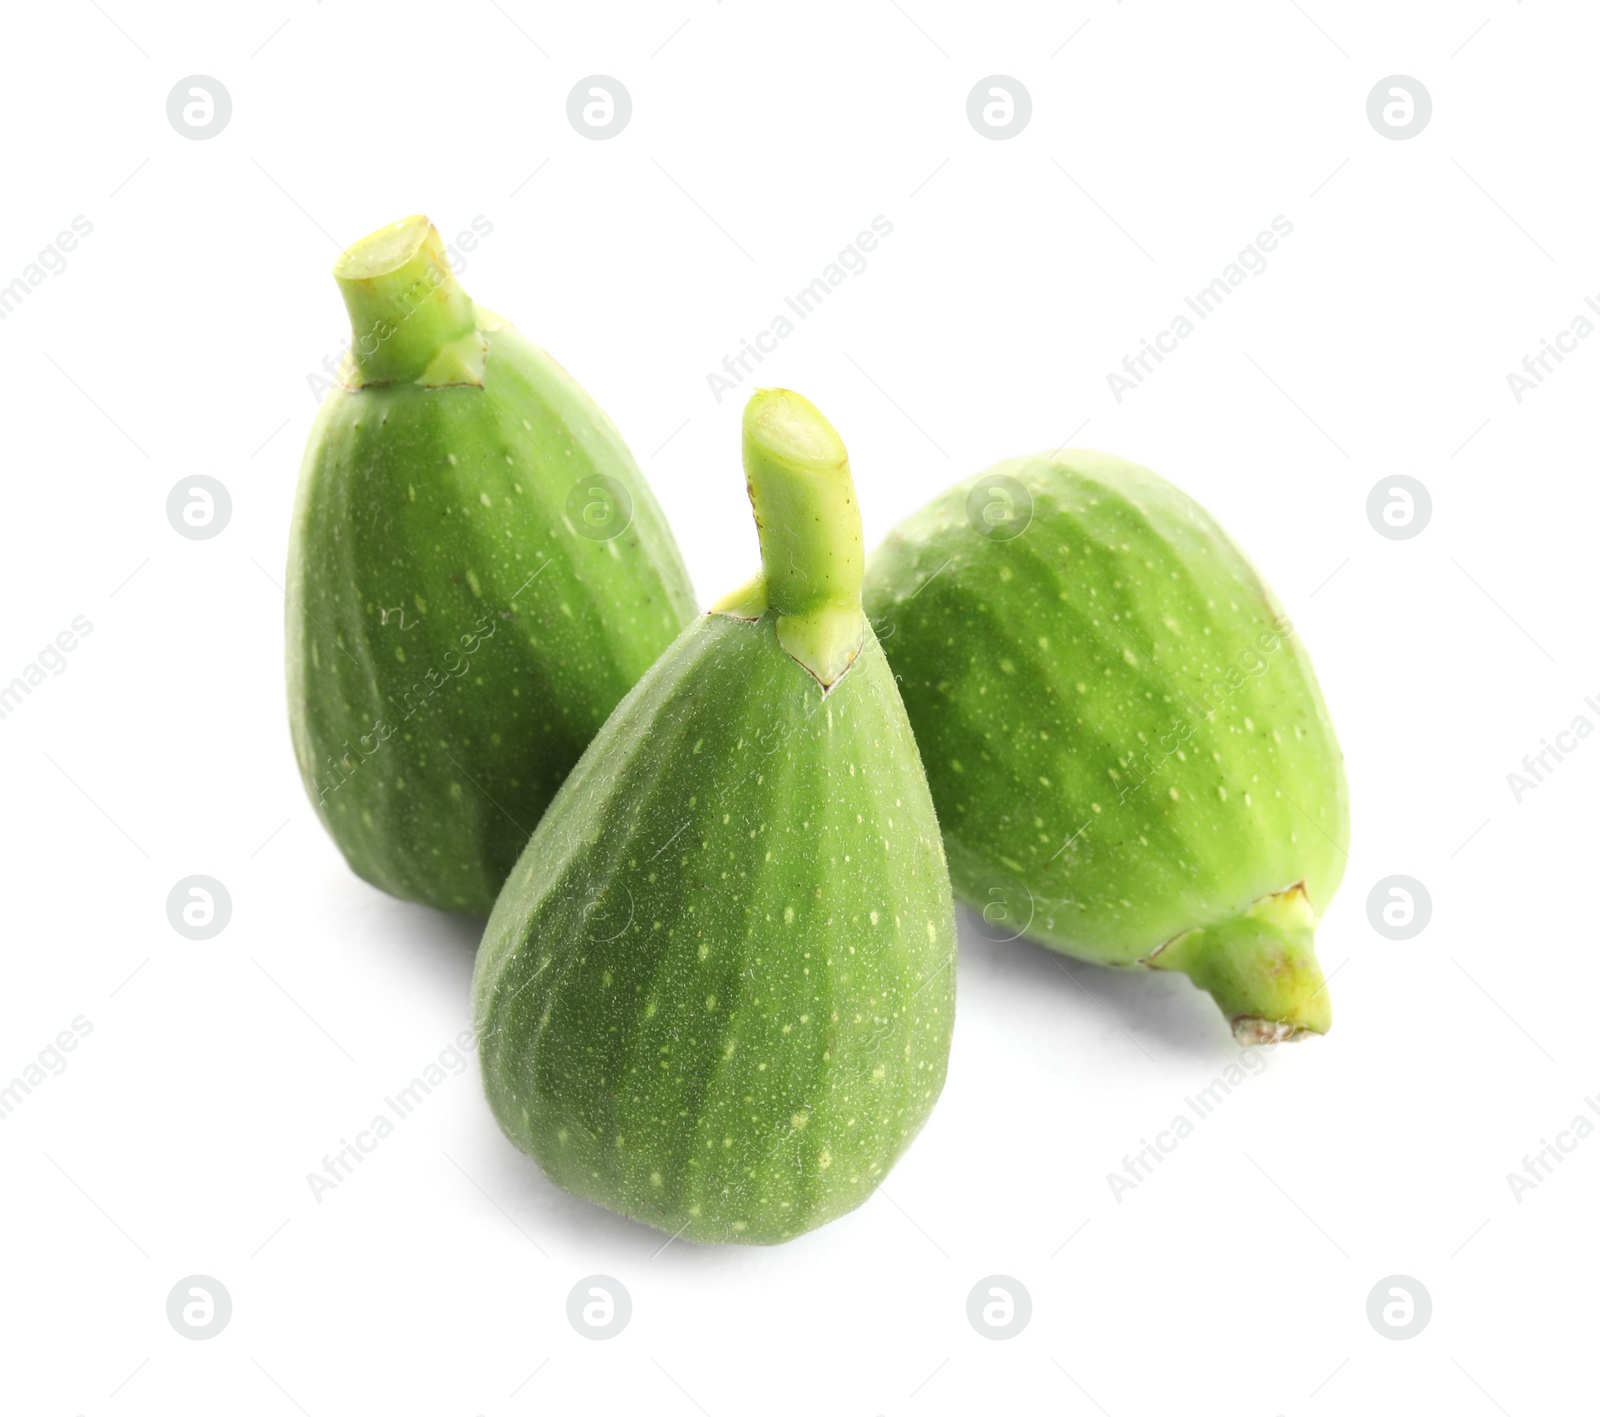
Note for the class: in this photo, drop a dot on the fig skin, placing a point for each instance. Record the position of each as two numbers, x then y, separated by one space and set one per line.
1129 753
456 631
717 992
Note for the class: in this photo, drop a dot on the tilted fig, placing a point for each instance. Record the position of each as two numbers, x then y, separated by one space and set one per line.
717 992
477 574
1130 756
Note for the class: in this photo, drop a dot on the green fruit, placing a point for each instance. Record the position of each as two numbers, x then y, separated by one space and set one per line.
477 574
717 992
1130 756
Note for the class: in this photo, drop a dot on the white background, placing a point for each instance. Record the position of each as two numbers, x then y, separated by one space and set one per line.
1163 137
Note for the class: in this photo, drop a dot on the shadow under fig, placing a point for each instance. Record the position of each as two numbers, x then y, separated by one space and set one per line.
1159 1013
461 935
435 941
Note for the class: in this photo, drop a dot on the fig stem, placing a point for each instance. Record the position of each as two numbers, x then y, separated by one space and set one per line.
405 304
812 555
1260 967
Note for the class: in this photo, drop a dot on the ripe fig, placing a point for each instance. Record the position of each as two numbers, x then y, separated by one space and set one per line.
477 574
1126 744
717 992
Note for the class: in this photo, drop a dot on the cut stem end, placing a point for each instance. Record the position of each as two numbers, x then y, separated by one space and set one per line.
1260 967
812 554
408 314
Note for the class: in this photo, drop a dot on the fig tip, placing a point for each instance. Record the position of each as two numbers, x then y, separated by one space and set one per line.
1250 1031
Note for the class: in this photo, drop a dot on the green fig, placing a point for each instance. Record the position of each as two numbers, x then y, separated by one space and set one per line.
1129 753
717 992
477 574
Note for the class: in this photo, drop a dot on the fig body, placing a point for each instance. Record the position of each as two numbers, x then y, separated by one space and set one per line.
1128 749
478 573
717 992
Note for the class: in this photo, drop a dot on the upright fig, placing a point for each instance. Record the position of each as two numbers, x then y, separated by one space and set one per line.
477 574
717 991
